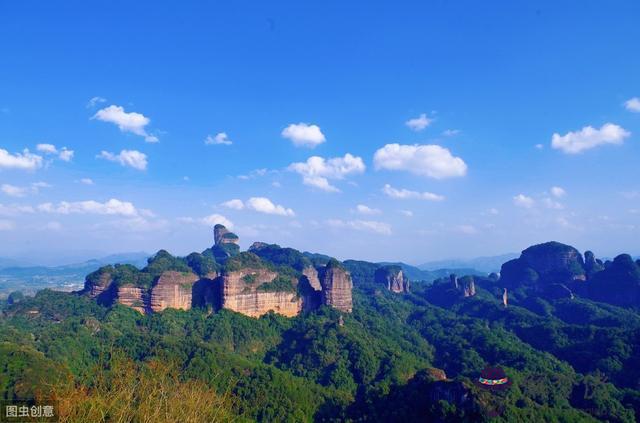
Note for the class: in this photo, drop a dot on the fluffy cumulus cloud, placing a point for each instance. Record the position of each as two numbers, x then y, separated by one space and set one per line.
234 204
49 149
366 210
264 205
210 220
127 122
13 191
419 123
111 207
362 225
433 161
523 201
304 135
405 194
130 158
22 161
633 104
220 139
588 138
318 171
558 192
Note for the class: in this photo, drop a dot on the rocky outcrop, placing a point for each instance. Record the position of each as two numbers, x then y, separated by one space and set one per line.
544 264
98 286
336 286
247 291
393 278
618 284
591 264
132 296
222 235
465 285
173 290
311 274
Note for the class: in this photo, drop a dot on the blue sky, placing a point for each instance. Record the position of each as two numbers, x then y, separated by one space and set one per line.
452 106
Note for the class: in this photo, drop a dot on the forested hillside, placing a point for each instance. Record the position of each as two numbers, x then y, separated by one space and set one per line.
399 356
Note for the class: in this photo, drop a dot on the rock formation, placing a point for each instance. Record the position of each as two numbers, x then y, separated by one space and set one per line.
618 284
505 298
132 296
336 286
173 290
393 278
247 291
542 265
311 274
468 286
222 235
591 264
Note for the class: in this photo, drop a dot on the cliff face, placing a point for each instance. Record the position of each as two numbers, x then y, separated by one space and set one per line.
173 290
98 288
393 278
221 235
312 276
246 291
132 296
336 287
544 264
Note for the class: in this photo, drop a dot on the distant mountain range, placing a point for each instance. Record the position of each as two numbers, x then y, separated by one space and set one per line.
14 275
486 264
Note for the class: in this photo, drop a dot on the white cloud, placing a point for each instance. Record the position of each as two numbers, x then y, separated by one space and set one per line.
210 220
86 181
493 211
362 225
13 190
111 207
264 205
451 132
6 225
363 209
539 146
433 161
304 135
466 229
407 213
66 155
15 210
23 161
419 123
131 158
47 148
523 201
317 171
234 204
588 138
127 122
405 194
558 192
220 139
95 101
633 104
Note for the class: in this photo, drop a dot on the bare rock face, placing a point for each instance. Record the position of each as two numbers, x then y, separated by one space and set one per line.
468 286
173 290
591 264
96 288
393 278
247 291
554 260
222 235
336 286
132 296
312 276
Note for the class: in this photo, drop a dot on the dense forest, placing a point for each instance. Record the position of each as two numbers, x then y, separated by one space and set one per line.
408 356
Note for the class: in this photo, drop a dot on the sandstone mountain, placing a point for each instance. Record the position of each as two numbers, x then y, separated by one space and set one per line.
393 278
267 278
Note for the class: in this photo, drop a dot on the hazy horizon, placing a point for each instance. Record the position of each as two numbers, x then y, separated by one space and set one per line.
432 132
